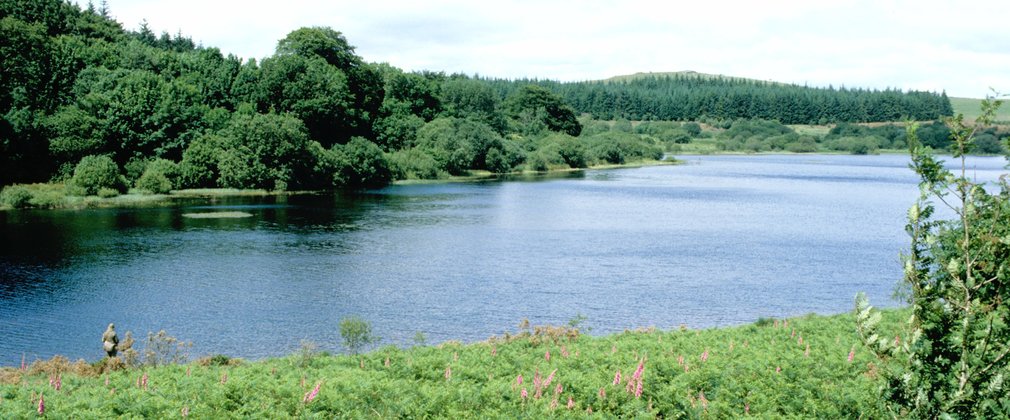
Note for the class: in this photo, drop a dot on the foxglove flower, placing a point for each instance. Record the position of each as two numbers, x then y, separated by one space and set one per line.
311 395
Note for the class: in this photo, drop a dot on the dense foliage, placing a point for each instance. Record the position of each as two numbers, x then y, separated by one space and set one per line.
691 96
804 367
170 114
952 362
74 83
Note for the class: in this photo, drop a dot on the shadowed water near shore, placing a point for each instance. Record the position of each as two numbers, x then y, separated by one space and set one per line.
721 240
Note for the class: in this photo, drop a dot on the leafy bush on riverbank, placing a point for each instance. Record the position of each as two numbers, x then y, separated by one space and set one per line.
807 367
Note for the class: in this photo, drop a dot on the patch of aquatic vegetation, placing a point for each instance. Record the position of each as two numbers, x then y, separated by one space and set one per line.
218 215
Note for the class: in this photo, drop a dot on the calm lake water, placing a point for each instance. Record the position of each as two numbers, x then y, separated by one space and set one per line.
721 240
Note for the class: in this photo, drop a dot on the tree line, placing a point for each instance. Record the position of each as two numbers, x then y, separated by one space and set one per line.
89 104
694 96
86 102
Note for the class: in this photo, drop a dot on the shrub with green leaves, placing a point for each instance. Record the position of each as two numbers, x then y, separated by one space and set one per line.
107 193
16 196
413 164
952 362
159 176
361 165
356 333
96 172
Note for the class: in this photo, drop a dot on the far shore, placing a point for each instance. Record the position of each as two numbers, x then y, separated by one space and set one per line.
138 199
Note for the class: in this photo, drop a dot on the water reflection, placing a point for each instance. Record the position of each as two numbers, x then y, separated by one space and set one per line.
721 240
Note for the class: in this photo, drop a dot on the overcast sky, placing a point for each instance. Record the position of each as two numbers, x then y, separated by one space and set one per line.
960 47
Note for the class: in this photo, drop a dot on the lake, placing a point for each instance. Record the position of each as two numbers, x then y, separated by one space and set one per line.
720 240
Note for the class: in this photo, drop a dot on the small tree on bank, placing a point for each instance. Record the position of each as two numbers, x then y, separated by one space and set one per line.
356 333
953 360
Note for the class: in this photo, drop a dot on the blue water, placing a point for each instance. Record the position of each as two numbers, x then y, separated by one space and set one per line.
720 240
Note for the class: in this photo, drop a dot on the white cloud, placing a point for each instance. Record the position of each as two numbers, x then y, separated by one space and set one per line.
930 45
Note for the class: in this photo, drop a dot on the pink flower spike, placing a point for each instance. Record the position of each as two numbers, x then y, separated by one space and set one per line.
42 404
638 390
448 372
524 394
602 393
704 356
549 378
852 354
571 403
559 389
680 360
746 408
311 395
617 378
547 356
800 340
519 380
778 369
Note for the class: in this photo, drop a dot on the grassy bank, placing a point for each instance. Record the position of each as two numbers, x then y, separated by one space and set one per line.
805 367
55 196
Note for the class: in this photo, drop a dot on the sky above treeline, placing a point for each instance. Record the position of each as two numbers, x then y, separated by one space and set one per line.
962 48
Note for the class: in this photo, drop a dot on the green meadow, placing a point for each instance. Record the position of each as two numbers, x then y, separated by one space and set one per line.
971 109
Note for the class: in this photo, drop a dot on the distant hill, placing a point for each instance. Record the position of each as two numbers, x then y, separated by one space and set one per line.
685 73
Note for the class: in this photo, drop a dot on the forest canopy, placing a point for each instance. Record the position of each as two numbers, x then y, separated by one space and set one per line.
165 113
